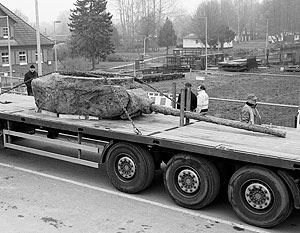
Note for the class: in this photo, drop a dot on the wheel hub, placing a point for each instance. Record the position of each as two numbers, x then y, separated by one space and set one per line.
126 167
188 181
258 196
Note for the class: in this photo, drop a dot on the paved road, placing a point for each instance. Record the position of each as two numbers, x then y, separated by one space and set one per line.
39 195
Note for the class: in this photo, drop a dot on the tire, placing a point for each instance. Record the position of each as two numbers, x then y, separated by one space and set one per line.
192 182
259 197
129 167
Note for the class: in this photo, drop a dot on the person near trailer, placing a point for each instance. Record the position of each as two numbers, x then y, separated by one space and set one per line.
193 105
202 100
249 113
31 74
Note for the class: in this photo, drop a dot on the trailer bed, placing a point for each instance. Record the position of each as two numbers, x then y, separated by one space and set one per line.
164 131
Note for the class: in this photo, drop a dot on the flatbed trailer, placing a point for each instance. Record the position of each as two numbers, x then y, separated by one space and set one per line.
260 171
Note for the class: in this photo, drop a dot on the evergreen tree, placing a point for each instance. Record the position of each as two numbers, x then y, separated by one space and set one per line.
167 36
222 35
91 29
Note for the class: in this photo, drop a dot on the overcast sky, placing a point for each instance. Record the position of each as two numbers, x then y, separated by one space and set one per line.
50 9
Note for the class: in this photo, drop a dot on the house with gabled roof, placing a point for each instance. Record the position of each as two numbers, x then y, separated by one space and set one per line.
193 41
23 45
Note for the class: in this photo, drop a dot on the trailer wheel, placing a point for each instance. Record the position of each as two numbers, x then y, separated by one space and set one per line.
259 196
193 182
130 167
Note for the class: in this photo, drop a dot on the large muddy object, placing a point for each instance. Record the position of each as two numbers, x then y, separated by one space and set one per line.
112 98
90 96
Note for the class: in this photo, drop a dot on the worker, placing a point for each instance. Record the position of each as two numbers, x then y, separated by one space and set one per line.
193 105
249 113
31 74
202 100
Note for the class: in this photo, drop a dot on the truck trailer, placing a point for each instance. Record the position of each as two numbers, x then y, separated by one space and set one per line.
260 172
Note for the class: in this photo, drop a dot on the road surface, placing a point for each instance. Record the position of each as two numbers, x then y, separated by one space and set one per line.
40 194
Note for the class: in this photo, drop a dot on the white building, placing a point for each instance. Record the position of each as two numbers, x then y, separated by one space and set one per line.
193 41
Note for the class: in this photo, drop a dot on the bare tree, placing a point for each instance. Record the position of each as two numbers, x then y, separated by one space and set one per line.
183 26
283 17
140 19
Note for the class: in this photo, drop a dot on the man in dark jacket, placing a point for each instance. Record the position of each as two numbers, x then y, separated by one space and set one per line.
31 74
193 105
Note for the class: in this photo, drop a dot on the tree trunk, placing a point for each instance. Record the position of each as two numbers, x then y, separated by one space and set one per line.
220 121
93 61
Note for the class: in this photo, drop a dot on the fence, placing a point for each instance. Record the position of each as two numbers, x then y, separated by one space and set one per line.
7 83
163 99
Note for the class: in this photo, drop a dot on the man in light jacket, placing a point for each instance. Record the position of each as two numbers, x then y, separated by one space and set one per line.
249 113
202 100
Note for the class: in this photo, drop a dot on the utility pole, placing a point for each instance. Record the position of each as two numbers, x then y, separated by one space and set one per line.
238 14
146 37
9 50
8 44
267 41
203 17
219 44
38 40
55 50
205 45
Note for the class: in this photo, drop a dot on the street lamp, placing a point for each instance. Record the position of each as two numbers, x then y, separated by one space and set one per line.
55 52
8 44
205 43
146 37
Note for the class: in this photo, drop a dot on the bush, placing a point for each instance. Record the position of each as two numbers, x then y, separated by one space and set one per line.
115 58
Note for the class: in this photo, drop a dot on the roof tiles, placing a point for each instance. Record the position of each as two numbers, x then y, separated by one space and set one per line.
24 34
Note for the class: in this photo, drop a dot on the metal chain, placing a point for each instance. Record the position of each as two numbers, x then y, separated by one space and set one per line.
135 129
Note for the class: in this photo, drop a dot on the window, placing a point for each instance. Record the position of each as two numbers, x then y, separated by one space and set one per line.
5 32
4 58
22 57
36 57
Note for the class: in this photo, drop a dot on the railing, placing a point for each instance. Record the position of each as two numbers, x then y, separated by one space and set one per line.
165 99
7 83
132 64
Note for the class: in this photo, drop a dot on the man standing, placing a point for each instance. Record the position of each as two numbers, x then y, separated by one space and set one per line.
31 74
193 98
202 100
249 113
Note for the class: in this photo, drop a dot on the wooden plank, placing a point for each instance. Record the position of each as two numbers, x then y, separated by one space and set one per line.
147 124
249 142
251 150
13 102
